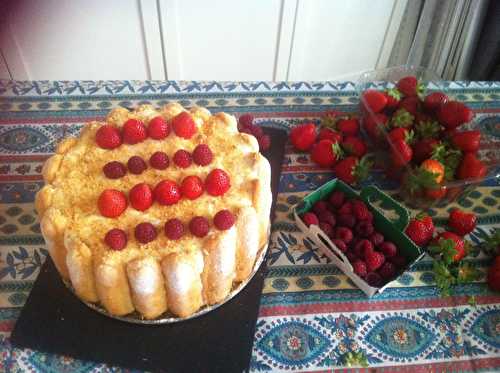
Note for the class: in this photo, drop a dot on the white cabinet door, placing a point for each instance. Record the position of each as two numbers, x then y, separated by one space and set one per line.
92 39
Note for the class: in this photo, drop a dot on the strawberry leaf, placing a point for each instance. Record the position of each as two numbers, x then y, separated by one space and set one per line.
362 168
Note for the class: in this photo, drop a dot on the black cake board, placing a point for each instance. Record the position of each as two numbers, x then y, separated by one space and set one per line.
54 320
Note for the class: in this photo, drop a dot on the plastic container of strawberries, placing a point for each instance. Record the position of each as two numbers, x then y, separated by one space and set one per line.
449 191
392 228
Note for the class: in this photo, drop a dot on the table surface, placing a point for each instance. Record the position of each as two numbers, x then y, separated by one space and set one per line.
310 315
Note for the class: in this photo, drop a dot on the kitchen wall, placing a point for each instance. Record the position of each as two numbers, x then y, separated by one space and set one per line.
196 39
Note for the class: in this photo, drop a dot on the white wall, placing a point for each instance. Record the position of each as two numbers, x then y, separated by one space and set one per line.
197 39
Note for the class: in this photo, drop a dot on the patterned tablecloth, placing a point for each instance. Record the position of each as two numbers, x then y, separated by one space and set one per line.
311 316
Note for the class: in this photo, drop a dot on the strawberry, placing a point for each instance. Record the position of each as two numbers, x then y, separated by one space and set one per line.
466 141
325 153
449 245
217 182
167 193
375 125
112 203
352 170
354 146
429 224
374 260
494 275
191 187
374 101
183 125
453 114
434 167
410 86
410 104
420 230
471 167
436 193
423 149
401 153
108 137
393 98
401 133
329 134
402 118
461 223
134 131
433 101
141 196
348 126
158 128
303 136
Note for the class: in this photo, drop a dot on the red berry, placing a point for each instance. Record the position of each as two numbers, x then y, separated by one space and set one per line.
192 187
145 232
337 199
360 209
341 245
112 203
417 232
136 165
327 217
310 218
116 239
108 137
202 155
184 125
363 248
359 268
325 153
346 220
217 182
320 206
159 160
462 222
302 137
141 196
328 134
264 142
133 131
376 238
158 128
256 131
326 228
348 126
346 208
182 158
387 271
364 228
246 120
350 255
224 220
388 248
374 260
374 279
344 234
174 229
199 226
114 170
167 193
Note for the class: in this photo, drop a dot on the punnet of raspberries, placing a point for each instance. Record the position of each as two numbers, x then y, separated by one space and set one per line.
348 222
246 125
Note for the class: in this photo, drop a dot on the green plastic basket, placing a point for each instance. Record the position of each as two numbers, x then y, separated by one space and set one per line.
392 229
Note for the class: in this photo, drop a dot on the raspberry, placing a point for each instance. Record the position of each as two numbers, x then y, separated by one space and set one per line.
376 238
182 158
369 216
159 160
202 155
374 279
246 120
256 131
360 210
246 130
114 170
364 228
184 125
346 208
398 260
174 229
224 220
346 220
350 256
158 128
108 137
199 226
374 260
320 206
192 187
217 182
133 131
310 218
359 268
141 197
326 228
341 245
136 165
112 203
327 217
388 248
167 193
116 239
387 271
363 248
337 199
264 142
145 232
344 234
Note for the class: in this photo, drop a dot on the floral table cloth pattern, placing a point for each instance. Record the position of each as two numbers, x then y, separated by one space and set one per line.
311 316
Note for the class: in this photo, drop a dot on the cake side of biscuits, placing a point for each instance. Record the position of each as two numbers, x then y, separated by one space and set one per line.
176 275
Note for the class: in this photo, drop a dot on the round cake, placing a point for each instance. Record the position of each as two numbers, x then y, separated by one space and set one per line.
156 211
